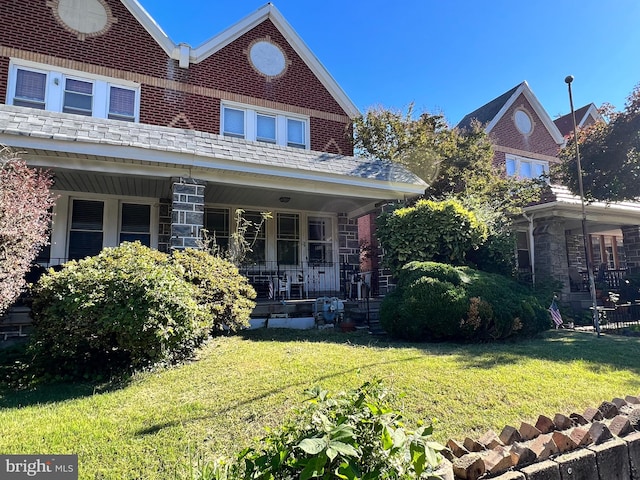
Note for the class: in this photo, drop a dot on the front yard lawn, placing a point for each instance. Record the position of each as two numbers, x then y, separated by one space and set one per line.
241 384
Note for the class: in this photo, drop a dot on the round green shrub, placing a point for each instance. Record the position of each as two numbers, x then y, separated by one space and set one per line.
224 292
440 302
129 306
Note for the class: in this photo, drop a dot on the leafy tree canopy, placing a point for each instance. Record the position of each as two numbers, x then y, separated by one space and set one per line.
609 155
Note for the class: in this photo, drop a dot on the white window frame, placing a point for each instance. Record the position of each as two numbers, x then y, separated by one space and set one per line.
55 87
251 121
518 161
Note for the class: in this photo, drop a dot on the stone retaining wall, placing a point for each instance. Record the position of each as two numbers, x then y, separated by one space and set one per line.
601 444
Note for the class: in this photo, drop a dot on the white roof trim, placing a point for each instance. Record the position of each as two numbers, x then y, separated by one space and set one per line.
150 26
591 111
269 11
537 106
208 48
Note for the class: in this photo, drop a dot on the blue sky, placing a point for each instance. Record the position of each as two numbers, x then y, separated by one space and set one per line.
450 56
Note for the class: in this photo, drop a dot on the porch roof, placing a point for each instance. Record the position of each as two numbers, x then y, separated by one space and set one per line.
102 145
561 203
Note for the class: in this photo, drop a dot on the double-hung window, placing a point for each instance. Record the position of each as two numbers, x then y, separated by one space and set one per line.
30 89
135 223
264 125
78 97
69 91
86 232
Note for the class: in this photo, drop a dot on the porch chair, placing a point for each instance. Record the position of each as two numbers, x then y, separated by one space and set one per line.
283 287
299 283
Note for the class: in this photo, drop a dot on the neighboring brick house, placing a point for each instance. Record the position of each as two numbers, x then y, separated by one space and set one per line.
150 140
549 234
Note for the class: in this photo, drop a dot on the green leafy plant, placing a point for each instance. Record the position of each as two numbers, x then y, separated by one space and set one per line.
429 231
242 240
221 289
127 307
351 436
435 301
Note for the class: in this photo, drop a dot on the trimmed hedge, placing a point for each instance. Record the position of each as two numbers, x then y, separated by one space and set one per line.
435 301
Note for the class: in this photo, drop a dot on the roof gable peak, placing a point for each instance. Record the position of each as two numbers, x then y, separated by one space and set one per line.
186 54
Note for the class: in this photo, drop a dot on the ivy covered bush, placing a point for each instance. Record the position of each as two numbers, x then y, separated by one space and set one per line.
440 231
434 301
128 307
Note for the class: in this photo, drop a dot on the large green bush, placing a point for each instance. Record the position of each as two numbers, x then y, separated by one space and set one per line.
434 301
429 231
225 293
126 307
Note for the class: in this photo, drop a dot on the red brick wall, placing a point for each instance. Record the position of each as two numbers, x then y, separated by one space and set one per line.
127 50
506 134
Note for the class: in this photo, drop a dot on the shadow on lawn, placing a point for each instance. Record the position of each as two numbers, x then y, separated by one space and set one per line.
153 429
608 351
19 388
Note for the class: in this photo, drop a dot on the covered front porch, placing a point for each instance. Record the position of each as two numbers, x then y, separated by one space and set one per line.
551 245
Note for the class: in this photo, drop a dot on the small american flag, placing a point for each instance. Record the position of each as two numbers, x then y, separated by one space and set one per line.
555 313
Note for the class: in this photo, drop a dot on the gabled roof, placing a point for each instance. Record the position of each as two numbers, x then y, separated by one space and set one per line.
491 113
186 54
565 122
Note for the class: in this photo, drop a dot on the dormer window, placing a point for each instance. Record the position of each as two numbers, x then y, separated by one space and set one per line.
264 125
69 91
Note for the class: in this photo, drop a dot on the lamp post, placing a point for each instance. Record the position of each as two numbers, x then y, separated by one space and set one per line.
592 282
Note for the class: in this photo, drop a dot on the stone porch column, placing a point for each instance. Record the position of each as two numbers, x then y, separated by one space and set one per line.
187 212
551 252
631 241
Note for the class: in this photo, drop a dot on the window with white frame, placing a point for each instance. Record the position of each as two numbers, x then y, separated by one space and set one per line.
62 90
526 167
268 126
87 228
288 238
135 223
320 241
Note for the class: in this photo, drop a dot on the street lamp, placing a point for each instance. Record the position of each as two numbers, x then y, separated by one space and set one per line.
592 282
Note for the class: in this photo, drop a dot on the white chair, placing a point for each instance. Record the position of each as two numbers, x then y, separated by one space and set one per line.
284 287
299 283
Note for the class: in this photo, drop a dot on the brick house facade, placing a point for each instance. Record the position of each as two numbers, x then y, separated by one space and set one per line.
150 140
549 235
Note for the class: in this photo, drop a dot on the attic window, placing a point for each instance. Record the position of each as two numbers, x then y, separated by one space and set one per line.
267 58
83 18
523 122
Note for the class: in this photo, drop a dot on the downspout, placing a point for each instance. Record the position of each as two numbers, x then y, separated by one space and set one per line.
532 250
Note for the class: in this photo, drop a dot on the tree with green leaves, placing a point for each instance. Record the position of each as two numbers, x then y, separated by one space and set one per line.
609 155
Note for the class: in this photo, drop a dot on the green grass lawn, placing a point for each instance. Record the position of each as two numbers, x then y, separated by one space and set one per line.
241 384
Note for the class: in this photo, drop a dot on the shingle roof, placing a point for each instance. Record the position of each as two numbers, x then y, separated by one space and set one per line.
88 132
487 112
565 122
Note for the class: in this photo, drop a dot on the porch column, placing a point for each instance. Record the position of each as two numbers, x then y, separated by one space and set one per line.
551 252
187 212
349 246
631 241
